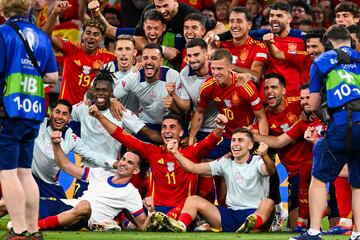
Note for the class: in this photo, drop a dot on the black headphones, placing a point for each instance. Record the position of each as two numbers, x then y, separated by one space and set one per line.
329 46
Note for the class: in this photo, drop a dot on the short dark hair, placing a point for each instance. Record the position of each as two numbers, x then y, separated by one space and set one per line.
244 10
348 7
305 86
196 17
316 33
337 32
154 46
63 102
112 10
246 131
197 42
284 6
96 22
355 29
104 74
302 5
152 14
174 116
221 53
277 76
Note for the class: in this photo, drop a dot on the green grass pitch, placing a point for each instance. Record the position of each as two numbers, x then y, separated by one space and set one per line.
88 235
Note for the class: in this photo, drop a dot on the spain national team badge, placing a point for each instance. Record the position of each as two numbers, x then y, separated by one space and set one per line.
292 47
243 55
86 70
170 166
235 98
292 117
238 178
228 103
285 127
97 64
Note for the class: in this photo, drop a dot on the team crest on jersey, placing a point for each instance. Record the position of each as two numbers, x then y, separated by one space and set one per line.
170 166
99 127
319 128
49 149
238 178
152 95
235 98
228 103
243 55
292 47
86 70
285 127
292 117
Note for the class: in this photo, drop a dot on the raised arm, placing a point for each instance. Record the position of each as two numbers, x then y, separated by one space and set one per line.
188 165
268 168
61 160
94 7
274 142
263 123
271 48
59 7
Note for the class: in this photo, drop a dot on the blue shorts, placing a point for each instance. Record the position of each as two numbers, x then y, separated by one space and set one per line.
222 148
51 207
231 220
332 202
16 143
293 189
331 154
48 190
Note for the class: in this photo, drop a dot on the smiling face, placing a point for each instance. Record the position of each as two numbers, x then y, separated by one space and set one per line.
59 117
240 145
193 29
220 71
91 38
129 164
171 129
125 53
152 60
102 93
239 26
167 8
279 20
274 92
154 30
197 57
304 99
314 47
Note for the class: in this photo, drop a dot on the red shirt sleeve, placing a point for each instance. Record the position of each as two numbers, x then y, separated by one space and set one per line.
261 53
199 150
68 47
131 142
297 130
205 93
250 93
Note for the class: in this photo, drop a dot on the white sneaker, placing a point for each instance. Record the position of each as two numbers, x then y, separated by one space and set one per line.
279 219
105 226
9 226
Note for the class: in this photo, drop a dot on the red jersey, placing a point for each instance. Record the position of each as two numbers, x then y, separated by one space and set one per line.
80 70
170 183
303 61
279 123
236 103
184 61
247 53
292 72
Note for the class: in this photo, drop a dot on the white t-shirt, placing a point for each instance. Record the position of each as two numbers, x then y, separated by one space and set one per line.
130 102
191 84
106 198
96 136
44 163
150 95
246 185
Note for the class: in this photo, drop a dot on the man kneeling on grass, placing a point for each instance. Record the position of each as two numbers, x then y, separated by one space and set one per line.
247 184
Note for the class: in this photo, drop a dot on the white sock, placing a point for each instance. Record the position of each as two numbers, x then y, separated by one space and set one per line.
279 207
354 235
313 232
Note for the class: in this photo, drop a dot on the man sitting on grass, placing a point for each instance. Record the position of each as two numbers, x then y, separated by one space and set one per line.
247 184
